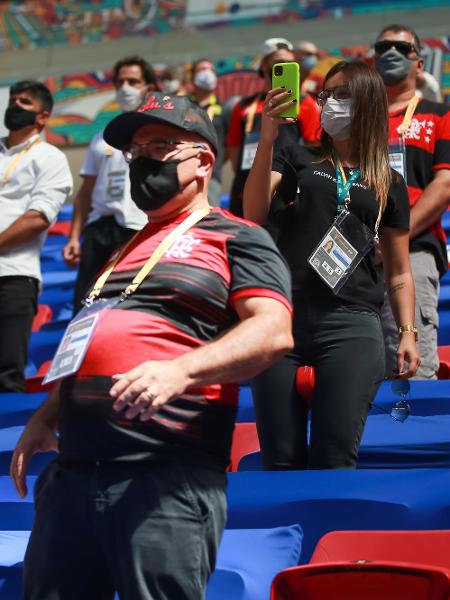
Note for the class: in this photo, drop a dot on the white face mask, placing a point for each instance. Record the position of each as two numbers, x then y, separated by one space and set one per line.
170 86
336 118
206 80
128 97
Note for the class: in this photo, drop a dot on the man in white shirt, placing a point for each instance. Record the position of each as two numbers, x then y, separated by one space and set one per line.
35 180
105 216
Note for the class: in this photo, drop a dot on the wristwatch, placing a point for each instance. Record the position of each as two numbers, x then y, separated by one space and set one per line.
409 328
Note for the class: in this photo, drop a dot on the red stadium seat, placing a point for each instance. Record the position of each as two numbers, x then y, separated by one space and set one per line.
444 362
424 547
305 382
245 436
361 581
34 384
44 315
245 440
60 228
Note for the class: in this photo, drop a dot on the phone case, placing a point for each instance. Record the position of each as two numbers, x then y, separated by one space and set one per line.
290 78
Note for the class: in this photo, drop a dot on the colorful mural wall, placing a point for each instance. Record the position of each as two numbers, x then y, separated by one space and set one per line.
40 23
84 102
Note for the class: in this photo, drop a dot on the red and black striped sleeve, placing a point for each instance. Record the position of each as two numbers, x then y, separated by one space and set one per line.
257 267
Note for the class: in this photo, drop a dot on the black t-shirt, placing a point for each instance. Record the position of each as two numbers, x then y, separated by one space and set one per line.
309 213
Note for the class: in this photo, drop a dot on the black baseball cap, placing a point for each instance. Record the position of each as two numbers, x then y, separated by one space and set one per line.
179 111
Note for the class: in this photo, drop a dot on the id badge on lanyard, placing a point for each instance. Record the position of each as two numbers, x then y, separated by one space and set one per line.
76 339
251 138
397 155
397 146
341 250
346 242
249 151
80 331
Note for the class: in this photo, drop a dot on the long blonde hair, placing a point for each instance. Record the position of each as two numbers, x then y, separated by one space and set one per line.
369 128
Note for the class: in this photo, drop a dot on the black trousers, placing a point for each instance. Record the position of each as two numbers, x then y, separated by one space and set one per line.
18 305
345 346
147 531
100 239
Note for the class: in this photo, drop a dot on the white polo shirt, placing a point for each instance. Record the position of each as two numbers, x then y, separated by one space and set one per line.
111 193
33 176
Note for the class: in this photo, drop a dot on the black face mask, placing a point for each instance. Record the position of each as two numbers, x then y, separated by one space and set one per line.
154 182
17 117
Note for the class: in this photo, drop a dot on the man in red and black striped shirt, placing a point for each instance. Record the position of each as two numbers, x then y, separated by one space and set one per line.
422 128
135 502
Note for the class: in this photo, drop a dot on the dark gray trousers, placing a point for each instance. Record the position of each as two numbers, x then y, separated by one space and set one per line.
345 346
147 531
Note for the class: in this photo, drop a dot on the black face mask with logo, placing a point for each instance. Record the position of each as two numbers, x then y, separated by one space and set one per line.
17 117
154 182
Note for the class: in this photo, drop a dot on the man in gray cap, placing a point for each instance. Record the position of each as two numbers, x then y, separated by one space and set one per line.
135 502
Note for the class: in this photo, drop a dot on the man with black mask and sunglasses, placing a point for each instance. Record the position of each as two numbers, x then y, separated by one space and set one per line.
35 180
419 132
135 502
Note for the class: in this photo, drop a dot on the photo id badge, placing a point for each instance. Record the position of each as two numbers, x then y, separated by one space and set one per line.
76 340
397 156
249 150
341 250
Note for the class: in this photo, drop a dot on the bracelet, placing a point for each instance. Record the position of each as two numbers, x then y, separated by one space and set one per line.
409 329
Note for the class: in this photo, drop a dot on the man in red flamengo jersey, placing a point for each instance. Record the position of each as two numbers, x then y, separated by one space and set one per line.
135 502
245 122
419 132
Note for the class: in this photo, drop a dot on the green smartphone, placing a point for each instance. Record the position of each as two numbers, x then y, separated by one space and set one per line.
288 75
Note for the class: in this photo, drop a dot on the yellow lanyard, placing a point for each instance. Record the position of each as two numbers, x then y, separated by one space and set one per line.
250 116
188 222
412 105
12 165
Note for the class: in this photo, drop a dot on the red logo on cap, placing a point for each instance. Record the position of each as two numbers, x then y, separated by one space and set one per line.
152 103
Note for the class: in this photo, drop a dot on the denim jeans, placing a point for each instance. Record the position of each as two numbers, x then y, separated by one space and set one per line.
344 343
148 531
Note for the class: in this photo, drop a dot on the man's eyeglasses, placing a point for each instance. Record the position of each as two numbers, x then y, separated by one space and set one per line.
340 92
156 149
404 47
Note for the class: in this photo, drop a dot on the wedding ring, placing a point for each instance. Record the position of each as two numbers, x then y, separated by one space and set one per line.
149 394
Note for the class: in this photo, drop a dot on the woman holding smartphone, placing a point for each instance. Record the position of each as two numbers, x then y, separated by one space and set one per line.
345 193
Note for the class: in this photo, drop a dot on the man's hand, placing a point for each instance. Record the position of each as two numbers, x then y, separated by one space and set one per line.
37 437
143 390
72 252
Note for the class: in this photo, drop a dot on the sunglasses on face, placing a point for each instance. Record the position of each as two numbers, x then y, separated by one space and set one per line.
340 92
404 48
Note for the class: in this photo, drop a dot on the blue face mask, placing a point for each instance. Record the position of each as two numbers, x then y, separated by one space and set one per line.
309 62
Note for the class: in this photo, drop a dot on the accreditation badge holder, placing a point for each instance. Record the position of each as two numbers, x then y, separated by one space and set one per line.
249 151
77 338
397 156
341 250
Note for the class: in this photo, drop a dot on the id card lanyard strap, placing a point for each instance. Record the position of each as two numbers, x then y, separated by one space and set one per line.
15 160
343 185
410 110
250 116
184 226
343 192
